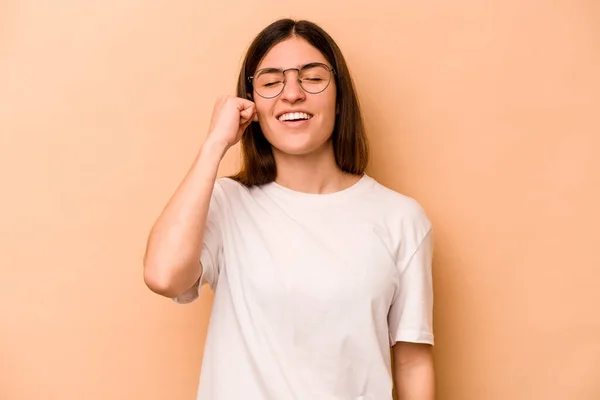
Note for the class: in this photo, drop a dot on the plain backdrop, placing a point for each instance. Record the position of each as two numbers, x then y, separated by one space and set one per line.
486 112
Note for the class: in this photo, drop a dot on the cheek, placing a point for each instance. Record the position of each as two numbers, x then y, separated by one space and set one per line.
263 108
268 124
330 109
265 117
330 101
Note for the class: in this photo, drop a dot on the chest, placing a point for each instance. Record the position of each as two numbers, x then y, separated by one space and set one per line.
318 261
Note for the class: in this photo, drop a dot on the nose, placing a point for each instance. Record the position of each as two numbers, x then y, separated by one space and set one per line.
292 91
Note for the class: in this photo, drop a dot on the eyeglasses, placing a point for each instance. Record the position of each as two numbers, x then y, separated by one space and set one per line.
313 78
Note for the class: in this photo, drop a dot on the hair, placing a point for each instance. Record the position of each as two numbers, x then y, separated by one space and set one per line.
349 140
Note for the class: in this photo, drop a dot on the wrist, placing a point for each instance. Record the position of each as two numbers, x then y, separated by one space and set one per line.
214 148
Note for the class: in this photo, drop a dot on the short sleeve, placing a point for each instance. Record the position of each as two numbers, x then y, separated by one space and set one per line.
212 248
410 317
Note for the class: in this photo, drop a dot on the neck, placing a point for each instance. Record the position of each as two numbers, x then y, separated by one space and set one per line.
316 172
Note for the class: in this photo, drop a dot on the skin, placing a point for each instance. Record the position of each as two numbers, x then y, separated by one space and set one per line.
313 137
414 373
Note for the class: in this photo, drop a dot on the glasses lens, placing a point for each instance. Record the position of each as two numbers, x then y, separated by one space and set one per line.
268 83
315 78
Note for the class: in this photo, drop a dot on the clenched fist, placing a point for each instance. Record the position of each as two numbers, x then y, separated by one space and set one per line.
231 116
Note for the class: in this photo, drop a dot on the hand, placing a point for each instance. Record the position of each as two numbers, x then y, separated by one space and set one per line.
231 116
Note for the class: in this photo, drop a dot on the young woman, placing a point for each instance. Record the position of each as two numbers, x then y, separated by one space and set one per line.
317 268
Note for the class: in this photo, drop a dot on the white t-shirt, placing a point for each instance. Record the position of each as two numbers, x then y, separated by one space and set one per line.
311 290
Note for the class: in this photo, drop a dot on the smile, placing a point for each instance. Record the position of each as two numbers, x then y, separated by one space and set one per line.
295 116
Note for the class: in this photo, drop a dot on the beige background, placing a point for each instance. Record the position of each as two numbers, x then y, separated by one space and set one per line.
484 111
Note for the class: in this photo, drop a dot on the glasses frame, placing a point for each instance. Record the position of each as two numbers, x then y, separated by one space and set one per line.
283 71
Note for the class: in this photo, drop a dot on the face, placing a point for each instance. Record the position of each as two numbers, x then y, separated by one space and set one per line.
283 130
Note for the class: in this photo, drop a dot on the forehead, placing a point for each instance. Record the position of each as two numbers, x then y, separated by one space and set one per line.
291 53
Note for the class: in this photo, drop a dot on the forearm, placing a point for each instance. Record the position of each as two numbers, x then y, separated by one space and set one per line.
416 382
414 376
171 262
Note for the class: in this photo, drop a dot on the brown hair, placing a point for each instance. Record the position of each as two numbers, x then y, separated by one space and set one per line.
349 139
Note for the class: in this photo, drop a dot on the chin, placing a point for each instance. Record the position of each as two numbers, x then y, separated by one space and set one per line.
298 142
300 149
294 151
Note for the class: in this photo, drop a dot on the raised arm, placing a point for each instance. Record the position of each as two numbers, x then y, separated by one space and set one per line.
172 257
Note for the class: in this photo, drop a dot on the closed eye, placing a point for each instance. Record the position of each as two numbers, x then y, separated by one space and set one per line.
272 84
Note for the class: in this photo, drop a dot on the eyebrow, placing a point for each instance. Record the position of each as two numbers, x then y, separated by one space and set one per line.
311 64
315 63
270 69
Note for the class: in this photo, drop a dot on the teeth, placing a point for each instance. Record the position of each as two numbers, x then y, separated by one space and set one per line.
294 116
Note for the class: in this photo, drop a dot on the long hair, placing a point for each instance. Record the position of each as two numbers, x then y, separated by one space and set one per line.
349 140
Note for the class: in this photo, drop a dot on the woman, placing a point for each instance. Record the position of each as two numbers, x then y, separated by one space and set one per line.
317 268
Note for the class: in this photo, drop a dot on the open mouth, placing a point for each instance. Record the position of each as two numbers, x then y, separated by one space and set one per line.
294 117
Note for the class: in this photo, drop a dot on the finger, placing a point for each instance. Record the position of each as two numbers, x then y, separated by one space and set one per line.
244 124
244 104
248 113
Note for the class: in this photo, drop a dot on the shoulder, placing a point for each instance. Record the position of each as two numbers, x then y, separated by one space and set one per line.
231 193
229 188
397 207
402 221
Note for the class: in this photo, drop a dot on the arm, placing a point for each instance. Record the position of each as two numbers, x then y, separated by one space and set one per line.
173 251
171 262
413 368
